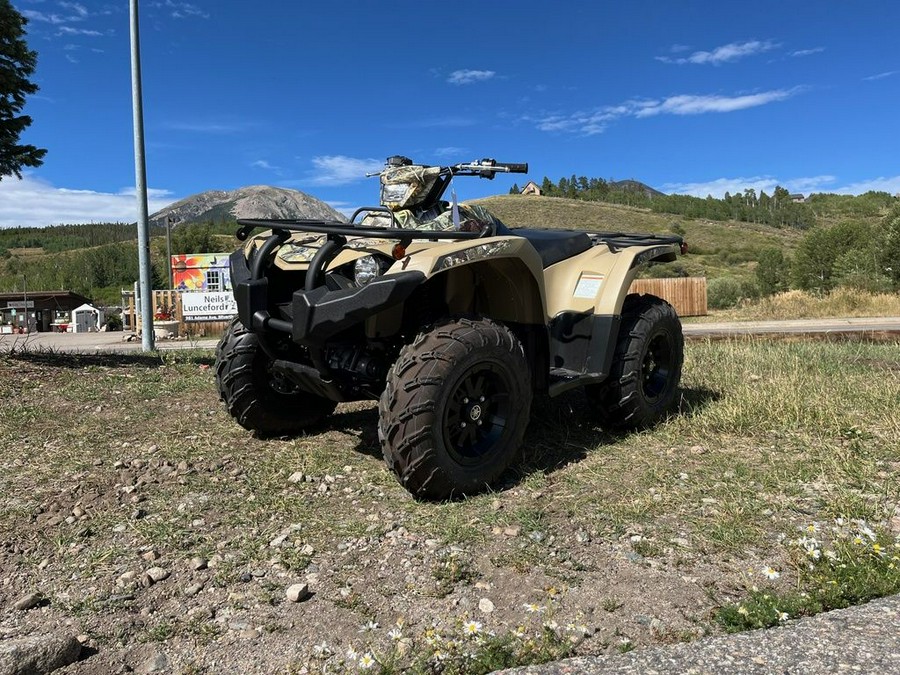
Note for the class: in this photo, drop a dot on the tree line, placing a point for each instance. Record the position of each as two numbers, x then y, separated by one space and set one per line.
101 269
777 209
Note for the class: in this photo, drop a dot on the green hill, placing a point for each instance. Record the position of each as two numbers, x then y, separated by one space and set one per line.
715 248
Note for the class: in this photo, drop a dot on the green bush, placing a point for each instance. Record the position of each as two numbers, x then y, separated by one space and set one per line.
728 292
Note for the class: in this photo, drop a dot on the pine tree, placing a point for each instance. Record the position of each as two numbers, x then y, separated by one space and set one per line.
17 62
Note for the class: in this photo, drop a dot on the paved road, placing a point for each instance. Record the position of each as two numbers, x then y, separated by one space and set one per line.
113 342
864 639
800 326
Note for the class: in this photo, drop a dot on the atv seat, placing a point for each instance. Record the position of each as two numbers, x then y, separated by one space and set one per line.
554 245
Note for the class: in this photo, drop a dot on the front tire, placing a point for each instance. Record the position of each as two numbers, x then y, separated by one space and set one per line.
257 399
646 369
454 411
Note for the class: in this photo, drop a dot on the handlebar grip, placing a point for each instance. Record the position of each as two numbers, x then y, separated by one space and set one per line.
514 168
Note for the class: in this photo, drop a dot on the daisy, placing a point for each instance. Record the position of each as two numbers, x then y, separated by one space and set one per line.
366 661
771 573
472 627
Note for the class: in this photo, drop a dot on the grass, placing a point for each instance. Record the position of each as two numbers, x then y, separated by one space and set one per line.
715 249
770 438
842 302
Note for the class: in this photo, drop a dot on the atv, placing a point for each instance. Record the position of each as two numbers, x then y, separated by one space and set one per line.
452 321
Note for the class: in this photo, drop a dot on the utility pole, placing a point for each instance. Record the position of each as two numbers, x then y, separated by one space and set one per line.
25 297
170 220
140 177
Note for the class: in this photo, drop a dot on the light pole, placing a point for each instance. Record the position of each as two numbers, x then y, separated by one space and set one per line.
140 179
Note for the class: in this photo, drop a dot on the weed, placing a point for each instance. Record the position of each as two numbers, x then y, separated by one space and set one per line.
858 564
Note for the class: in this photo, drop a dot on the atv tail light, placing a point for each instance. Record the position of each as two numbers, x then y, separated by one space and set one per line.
684 247
399 251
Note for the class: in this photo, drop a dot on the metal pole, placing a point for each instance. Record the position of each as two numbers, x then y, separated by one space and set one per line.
25 295
140 177
169 222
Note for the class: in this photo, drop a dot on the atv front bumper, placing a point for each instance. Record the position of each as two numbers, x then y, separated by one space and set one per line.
318 314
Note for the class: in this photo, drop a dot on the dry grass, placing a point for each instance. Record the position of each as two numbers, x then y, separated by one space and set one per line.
842 302
640 537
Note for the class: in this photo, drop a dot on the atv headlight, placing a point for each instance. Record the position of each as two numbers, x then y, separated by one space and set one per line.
367 268
395 195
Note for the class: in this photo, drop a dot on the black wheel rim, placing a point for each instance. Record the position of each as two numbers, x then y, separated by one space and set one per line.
476 414
656 369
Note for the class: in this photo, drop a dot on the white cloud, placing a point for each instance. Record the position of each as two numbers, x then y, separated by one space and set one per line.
68 30
597 120
31 202
808 52
263 164
724 54
470 76
881 76
180 10
79 10
767 183
889 184
54 19
697 105
449 151
211 126
340 170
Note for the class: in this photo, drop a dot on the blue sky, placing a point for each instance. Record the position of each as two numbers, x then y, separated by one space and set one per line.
696 96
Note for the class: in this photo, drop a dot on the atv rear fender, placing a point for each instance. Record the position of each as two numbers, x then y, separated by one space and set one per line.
585 296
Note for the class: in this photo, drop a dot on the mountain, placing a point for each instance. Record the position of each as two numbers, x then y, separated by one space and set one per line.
256 201
635 186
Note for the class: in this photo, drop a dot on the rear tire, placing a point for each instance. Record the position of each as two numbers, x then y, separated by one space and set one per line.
454 411
257 399
646 368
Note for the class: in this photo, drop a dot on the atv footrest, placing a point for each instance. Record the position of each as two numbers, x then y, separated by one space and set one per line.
308 379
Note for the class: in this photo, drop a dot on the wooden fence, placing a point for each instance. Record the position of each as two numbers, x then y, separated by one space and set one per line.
686 294
170 303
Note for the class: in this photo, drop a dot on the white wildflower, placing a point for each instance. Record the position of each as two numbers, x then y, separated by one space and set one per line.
770 573
472 627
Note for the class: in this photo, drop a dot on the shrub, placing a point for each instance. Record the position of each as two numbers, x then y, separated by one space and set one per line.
728 292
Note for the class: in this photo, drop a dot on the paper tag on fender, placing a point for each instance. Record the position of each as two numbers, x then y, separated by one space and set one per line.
588 285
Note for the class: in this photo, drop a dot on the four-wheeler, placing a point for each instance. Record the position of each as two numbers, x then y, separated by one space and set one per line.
452 321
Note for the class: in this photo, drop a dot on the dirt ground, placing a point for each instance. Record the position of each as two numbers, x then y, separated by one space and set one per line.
168 539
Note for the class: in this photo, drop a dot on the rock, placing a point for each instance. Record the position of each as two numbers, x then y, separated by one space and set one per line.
126 578
512 531
485 605
28 601
198 563
38 653
296 477
150 555
193 589
307 549
278 541
156 574
78 512
156 663
297 592
249 634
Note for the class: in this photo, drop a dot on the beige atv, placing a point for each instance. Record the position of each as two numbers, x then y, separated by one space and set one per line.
450 320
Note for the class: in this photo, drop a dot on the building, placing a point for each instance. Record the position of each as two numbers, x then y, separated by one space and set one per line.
797 198
41 311
531 188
